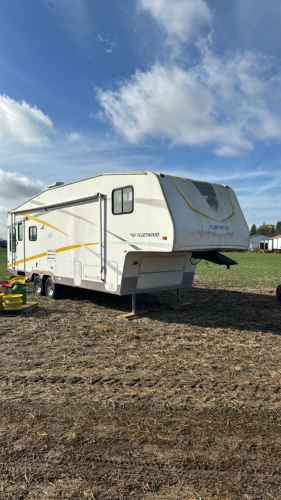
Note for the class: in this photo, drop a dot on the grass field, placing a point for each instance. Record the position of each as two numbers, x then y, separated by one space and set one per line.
3 264
254 270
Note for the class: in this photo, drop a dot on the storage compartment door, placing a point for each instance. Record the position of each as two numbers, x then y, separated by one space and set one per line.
161 272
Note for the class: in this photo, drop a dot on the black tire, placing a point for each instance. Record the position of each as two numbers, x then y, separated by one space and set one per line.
39 288
278 292
51 289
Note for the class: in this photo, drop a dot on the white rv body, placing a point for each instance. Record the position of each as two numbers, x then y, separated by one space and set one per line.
272 244
276 243
123 233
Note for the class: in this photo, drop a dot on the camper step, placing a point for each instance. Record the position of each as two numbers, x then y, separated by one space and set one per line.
28 307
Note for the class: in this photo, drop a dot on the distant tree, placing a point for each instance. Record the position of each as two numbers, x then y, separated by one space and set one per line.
278 227
266 229
253 230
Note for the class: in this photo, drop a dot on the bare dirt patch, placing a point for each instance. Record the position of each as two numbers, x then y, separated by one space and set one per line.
176 405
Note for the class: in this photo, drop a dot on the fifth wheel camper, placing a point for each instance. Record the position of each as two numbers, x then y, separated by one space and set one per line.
123 233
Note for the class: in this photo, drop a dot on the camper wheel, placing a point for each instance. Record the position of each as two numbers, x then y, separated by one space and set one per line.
278 292
51 289
39 288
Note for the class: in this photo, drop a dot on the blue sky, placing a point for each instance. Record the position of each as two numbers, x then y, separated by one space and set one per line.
186 87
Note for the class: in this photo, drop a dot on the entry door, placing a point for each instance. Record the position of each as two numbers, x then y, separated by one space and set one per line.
19 245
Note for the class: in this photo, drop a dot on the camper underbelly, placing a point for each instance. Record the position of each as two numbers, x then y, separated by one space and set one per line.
150 272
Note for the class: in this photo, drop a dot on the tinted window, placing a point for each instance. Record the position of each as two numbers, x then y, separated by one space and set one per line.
127 200
208 192
123 200
117 201
33 233
14 240
20 231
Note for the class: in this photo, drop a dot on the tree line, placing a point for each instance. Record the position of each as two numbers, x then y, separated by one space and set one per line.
266 229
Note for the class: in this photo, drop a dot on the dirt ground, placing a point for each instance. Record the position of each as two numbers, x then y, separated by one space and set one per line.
180 404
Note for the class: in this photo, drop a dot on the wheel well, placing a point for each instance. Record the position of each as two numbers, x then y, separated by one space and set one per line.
43 278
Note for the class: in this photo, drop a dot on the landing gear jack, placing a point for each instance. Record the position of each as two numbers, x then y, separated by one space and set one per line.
134 314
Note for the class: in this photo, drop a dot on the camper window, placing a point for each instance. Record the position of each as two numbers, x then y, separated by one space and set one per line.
20 231
123 200
12 249
33 233
207 190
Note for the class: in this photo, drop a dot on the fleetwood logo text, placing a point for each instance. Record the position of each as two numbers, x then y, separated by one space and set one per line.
145 235
222 228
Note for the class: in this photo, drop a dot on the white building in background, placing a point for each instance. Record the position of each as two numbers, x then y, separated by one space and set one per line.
256 240
271 244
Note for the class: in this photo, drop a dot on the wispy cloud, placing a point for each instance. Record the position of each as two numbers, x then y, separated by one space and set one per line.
22 123
74 136
108 45
226 101
222 100
75 15
181 19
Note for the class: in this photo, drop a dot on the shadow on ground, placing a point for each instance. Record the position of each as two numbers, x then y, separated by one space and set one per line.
209 308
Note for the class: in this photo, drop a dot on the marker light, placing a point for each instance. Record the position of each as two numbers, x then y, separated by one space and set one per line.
164 237
162 175
135 263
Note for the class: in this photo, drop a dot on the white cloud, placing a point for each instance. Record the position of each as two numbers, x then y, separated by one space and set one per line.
74 136
224 101
22 123
181 19
3 225
14 190
14 186
226 151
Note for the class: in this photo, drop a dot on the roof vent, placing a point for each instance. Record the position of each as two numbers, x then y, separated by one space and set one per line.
54 184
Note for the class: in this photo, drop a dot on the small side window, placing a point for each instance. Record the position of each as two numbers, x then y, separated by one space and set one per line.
123 200
20 231
12 240
33 233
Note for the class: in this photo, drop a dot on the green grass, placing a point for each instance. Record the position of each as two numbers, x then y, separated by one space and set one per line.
4 275
254 270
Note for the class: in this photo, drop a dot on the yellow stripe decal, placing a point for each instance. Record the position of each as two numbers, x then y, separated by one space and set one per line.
29 258
194 209
233 211
62 249
201 213
43 222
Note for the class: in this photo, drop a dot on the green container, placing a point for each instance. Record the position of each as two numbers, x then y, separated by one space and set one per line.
20 289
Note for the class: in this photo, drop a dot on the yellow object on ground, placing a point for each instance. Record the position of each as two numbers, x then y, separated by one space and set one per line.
1 300
12 302
18 280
